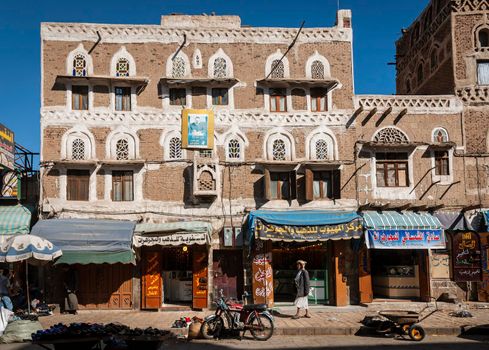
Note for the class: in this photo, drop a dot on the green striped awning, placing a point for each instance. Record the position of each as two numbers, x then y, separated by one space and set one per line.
14 220
393 220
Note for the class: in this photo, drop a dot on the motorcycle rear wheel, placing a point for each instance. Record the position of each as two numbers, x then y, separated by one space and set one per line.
212 329
261 327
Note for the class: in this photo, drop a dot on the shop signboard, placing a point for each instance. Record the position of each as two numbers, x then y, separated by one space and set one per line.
272 232
176 239
7 148
466 257
9 184
406 239
197 129
152 286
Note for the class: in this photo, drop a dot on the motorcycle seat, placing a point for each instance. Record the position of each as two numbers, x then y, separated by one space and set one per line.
257 307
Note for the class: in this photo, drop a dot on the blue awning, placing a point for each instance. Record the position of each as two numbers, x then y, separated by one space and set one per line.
304 225
85 241
403 230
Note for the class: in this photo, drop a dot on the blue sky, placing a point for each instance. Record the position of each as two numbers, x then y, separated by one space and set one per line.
376 24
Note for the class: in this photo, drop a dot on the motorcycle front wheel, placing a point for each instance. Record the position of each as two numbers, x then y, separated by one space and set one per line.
212 328
261 327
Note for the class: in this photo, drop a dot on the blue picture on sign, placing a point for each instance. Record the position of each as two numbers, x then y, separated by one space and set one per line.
197 130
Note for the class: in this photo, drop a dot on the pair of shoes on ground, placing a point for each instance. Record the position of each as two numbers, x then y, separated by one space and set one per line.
296 317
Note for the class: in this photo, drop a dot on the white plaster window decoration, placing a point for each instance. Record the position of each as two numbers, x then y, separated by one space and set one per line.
390 135
317 70
320 145
279 150
234 149
278 70
122 149
175 148
440 135
220 68
178 68
79 66
78 149
197 59
122 67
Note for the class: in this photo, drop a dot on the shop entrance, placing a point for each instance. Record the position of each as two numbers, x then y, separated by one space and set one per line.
227 270
399 274
284 257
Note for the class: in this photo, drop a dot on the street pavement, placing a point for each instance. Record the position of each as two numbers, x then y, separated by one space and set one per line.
316 343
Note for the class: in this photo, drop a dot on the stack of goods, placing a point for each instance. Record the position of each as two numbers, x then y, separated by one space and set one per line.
72 331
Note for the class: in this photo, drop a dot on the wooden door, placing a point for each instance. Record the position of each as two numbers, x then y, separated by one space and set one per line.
365 277
151 281
262 273
424 276
200 277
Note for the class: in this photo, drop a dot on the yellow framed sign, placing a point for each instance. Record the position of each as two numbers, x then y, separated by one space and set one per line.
197 129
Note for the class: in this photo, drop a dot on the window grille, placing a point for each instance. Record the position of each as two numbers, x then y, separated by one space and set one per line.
279 150
234 149
78 149
122 67
279 71
317 70
175 148
321 150
220 68
122 149
178 68
79 66
390 135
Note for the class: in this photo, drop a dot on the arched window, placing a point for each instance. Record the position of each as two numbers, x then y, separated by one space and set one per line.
278 70
483 37
440 135
220 68
320 145
317 70
391 136
279 150
178 68
206 181
321 150
175 148
122 149
234 149
420 74
78 149
79 66
122 67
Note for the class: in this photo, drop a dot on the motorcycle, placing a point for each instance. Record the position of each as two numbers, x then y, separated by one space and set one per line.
234 316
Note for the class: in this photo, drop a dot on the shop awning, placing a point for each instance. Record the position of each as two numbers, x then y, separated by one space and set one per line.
453 221
403 230
86 241
304 225
173 234
14 220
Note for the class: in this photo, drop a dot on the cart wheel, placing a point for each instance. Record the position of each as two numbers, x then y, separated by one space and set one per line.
405 329
416 332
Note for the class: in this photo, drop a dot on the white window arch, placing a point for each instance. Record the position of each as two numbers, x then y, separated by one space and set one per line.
280 146
220 65
178 66
122 144
390 135
321 145
439 135
282 70
317 67
122 64
78 144
171 141
235 143
79 62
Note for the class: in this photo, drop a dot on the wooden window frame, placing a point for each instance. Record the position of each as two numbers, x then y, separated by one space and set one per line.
292 178
318 94
274 95
399 164
220 96
78 185
174 99
126 98
122 176
442 163
335 186
78 94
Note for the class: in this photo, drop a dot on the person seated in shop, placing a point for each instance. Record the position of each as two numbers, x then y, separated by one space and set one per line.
303 285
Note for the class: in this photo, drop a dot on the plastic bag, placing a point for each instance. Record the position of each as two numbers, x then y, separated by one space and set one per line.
19 331
5 315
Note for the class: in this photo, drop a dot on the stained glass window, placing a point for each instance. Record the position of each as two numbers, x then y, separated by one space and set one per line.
279 71
79 66
317 70
78 149
220 68
234 149
178 68
122 150
279 150
122 67
175 148
440 135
